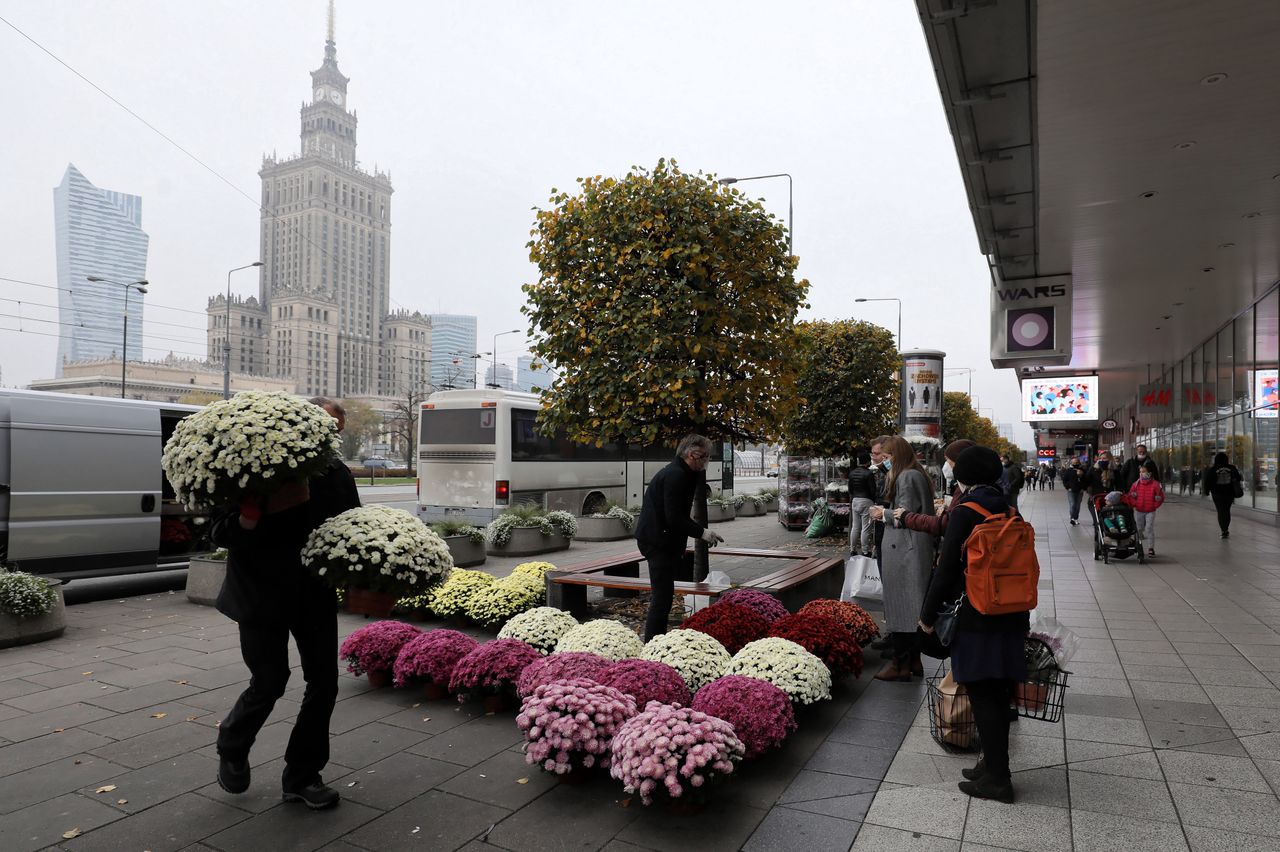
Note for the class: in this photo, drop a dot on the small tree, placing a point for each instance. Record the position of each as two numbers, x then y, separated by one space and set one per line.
363 424
960 420
848 387
402 422
667 303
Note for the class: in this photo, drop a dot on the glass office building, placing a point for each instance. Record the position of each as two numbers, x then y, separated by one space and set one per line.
453 350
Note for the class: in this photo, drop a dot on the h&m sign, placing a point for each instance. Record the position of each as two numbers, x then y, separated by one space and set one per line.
1031 321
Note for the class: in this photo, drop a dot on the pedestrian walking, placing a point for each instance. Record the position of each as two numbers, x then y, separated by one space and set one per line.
1073 483
987 654
907 559
1052 473
664 527
1099 480
1132 468
862 496
1146 496
1223 482
1011 480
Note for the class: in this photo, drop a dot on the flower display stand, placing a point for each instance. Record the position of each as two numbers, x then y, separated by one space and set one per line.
465 552
367 602
601 529
719 514
16 630
204 580
527 541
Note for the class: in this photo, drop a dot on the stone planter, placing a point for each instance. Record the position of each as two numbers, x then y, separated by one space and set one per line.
464 551
719 514
771 505
24 631
204 580
748 509
601 529
527 541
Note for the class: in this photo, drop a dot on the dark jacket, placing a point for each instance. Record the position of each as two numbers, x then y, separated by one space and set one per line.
665 525
862 483
1131 470
1098 481
1012 479
1221 493
1072 479
333 491
948 576
266 582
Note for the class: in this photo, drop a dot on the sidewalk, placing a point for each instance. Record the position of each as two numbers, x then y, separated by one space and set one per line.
1166 739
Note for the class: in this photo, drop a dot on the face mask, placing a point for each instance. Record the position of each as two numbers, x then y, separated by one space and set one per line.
1142 455
888 464
947 470
1146 474
1102 465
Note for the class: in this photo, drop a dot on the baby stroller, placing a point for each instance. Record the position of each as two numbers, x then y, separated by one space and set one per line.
1116 533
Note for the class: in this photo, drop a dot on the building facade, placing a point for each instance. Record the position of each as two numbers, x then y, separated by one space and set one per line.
98 233
500 376
453 351
171 379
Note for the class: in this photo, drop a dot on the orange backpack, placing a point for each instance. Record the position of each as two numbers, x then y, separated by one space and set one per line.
1002 571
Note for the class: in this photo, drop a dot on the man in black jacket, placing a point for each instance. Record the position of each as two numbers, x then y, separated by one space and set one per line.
1073 481
334 491
1131 471
664 527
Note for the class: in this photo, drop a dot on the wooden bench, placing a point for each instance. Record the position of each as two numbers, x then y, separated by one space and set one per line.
813 577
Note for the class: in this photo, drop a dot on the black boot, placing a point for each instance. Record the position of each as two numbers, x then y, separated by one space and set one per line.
233 775
979 769
882 644
988 787
315 795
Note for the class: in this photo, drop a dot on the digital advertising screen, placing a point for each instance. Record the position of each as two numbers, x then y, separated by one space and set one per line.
1059 398
1265 393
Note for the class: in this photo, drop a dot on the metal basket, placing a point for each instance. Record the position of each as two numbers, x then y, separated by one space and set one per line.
1044 693
951 722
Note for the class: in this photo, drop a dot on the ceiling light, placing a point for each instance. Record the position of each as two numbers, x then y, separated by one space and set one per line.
1207 269
1212 79
1157 328
1185 146
1178 304
1251 215
1167 316
1150 193
1226 245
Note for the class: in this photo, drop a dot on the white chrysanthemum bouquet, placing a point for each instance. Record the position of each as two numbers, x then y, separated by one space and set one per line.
378 548
253 442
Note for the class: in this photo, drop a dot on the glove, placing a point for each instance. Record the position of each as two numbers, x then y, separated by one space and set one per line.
711 538
251 507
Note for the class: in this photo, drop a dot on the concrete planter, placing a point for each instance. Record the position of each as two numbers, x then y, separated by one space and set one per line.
749 509
527 541
464 551
601 529
24 631
719 514
771 505
204 580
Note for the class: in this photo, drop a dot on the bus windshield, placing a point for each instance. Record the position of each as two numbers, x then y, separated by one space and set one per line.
458 426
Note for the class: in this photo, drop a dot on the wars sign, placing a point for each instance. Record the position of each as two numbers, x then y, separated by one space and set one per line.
1031 322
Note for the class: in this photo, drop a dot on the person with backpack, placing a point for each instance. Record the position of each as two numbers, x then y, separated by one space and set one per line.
1145 496
984 534
1224 484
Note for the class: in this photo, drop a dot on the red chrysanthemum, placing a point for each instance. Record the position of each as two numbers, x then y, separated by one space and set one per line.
731 624
825 638
858 620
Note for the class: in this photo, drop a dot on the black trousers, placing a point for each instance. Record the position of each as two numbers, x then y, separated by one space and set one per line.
990 702
662 588
266 652
903 646
1223 505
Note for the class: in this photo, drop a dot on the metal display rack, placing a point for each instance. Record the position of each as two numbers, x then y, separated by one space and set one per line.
801 481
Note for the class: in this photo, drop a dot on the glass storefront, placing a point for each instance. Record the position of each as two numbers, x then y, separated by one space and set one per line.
1224 399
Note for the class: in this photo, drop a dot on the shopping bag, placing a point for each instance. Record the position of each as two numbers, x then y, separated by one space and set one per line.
952 715
862 579
715 578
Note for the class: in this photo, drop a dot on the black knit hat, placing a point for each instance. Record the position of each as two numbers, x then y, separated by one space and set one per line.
978 466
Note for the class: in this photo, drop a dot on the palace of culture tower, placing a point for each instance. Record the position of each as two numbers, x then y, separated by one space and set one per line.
322 318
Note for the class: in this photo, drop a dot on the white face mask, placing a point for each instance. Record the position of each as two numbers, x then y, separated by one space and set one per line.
947 469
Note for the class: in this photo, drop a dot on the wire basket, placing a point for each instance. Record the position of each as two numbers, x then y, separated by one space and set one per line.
1044 693
951 722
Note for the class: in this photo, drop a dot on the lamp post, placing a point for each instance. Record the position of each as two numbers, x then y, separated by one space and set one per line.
226 334
968 370
139 285
890 299
791 245
494 383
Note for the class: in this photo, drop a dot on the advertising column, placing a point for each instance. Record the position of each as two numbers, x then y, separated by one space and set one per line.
921 403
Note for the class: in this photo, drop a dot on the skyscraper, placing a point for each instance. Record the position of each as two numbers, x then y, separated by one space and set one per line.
453 350
500 375
97 232
526 377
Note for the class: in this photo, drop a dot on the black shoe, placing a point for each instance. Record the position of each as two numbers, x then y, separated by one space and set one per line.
233 775
315 795
1226 534
1073 522
881 644
988 787
979 770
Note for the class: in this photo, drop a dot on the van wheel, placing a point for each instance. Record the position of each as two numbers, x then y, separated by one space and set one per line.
594 504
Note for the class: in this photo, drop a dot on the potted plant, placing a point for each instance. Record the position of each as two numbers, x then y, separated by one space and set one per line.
859 622
31 608
730 624
465 542
205 575
541 627
526 530
609 639
613 524
378 555
748 505
698 658
673 753
490 672
502 600
719 509
569 725
372 650
825 638
764 604
770 497
450 599
645 681
760 713
571 664
786 665
429 659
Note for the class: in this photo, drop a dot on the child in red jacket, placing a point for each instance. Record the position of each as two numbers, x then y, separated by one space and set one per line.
1145 496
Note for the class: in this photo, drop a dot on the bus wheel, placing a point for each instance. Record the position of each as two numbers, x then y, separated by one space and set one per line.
594 504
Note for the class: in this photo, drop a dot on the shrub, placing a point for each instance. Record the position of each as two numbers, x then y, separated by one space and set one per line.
491 668
609 639
855 618
25 595
786 665
568 722
760 713
730 624
571 664
452 597
698 657
825 638
672 750
720 502
537 570
502 600
377 547
541 627
432 656
762 602
374 647
451 528
645 681
529 516
618 513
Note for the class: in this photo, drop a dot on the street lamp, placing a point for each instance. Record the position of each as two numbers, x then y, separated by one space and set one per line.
226 334
791 245
139 285
494 383
890 299
968 370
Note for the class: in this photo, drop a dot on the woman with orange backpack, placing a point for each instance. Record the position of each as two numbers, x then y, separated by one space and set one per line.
985 539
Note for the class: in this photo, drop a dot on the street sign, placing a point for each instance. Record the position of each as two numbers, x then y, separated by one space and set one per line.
1108 424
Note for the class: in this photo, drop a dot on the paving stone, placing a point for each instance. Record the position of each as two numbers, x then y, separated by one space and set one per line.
123 726
722 826
1018 826
495 781
296 828
1126 796
470 743
1222 840
1238 773
1177 734
1230 748
809 786
1106 730
1045 786
29 725
928 811
1140 765
1245 696
24 668
76 674
877 838
1111 670
1161 690
35 698
351 714
1099 832
853 808
1035 752
1235 810
42 825
1160 674
264 787
1264 746
434 717
585 818
1214 662
153 746
210 679
1099 686
370 743
142 696
434 820
167 827
393 781
892 710
845 759
1103 705
784 830
159 782
41 750
39 783
860 731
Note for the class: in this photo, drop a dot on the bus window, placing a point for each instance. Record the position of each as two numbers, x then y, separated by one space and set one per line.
527 444
458 426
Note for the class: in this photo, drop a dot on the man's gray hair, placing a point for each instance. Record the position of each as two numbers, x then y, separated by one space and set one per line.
330 405
880 439
693 442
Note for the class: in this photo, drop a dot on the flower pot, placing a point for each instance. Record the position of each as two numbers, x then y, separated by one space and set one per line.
465 552
771 505
685 807
719 514
527 541
379 679
748 509
577 776
457 622
204 580
370 603
16 630
499 703
433 691
601 529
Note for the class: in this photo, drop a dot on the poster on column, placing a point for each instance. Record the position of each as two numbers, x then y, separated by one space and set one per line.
922 392
1265 396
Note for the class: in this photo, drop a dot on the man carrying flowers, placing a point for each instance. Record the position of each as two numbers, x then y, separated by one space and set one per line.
333 490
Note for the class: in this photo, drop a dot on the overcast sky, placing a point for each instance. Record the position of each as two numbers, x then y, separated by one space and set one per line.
477 110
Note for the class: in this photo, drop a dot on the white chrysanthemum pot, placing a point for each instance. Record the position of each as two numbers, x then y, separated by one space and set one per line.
529 541
601 529
16 630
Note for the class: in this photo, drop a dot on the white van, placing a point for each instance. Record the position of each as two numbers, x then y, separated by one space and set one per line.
81 489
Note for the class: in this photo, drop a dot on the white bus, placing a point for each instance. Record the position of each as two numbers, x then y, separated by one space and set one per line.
479 452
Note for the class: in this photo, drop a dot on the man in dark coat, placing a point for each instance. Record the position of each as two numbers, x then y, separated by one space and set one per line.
1131 471
665 526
